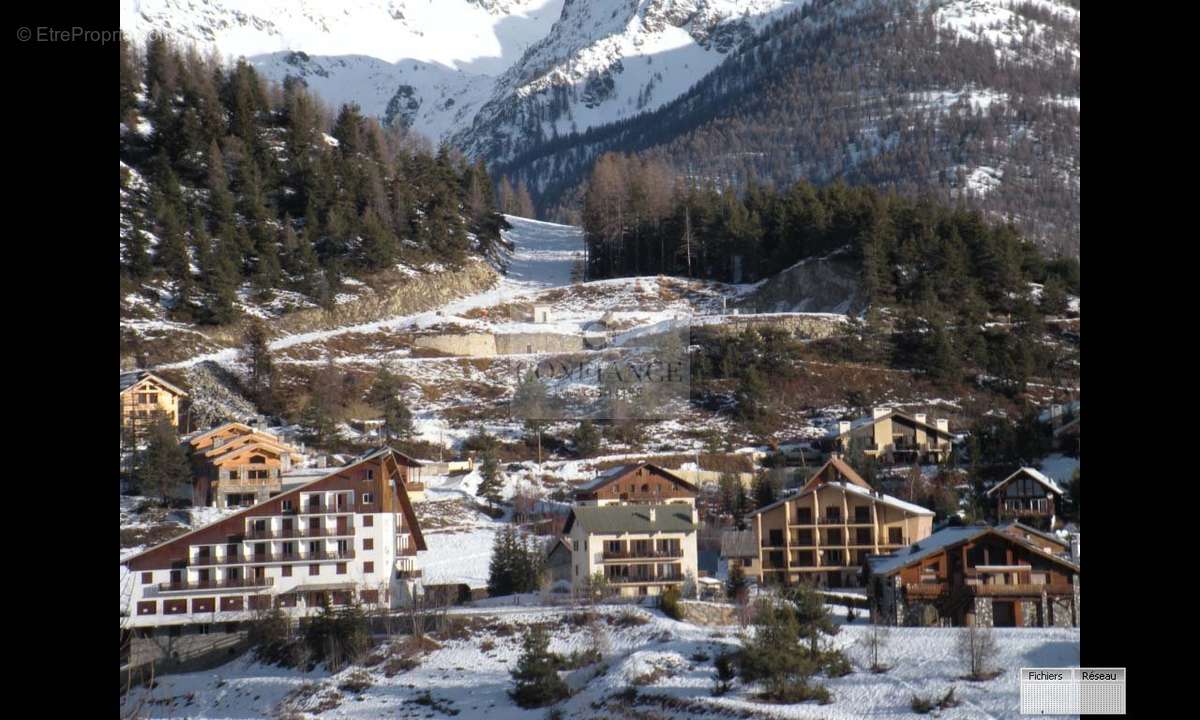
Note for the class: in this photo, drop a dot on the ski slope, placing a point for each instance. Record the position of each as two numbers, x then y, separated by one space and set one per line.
542 257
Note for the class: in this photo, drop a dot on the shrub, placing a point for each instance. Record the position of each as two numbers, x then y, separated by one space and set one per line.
578 659
976 650
726 665
669 602
536 680
700 656
628 618
356 682
487 646
922 705
835 664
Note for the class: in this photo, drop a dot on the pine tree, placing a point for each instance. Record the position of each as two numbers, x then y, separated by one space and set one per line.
162 468
587 438
503 562
137 256
218 276
490 488
535 680
256 353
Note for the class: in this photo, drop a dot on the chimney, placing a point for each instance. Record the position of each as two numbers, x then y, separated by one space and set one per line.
843 427
652 514
879 412
920 417
943 424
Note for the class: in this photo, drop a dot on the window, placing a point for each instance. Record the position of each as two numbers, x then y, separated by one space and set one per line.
368 544
368 498
370 474
833 557
341 568
287 505
747 562
147 578
368 567
368 520
314 569
895 536
286 570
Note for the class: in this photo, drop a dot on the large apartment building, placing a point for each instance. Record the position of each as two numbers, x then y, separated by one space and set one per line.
640 549
143 394
891 436
349 536
824 533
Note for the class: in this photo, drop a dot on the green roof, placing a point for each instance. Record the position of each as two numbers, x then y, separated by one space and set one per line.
612 519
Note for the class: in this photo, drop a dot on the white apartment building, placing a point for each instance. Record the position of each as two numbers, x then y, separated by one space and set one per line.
640 549
348 536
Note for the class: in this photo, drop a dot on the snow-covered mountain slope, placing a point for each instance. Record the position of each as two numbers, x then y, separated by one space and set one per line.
427 64
606 60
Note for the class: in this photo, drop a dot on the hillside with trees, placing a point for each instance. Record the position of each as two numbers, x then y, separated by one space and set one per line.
241 197
886 94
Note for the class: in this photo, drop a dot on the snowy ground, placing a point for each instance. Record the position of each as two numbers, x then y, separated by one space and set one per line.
661 660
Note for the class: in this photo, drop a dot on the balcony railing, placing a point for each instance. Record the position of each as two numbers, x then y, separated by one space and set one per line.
216 584
634 553
301 532
926 590
1022 589
326 508
408 574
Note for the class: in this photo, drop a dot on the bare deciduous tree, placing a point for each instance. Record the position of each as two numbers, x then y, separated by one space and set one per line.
977 649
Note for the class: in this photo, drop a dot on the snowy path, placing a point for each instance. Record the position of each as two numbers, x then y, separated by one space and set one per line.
542 257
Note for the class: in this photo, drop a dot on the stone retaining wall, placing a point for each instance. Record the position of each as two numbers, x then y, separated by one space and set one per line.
707 613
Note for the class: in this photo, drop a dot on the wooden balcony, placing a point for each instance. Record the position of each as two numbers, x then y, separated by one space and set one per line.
926 590
1023 589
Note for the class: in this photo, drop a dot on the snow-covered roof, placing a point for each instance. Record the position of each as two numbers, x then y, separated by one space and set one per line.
946 537
621 470
1033 473
885 564
853 489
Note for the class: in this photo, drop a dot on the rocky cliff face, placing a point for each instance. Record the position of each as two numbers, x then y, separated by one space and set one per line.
829 284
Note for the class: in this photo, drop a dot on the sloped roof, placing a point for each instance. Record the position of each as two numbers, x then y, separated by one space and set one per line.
616 473
609 519
842 467
1033 473
1034 531
893 413
129 379
947 537
738 543
196 438
935 543
406 506
857 486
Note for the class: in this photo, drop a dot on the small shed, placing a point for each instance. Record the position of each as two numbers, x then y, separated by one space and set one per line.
542 313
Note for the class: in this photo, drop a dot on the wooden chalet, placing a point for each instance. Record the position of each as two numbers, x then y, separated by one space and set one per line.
640 483
974 575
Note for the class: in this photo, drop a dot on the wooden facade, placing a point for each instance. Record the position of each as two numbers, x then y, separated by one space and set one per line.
235 464
1028 496
975 575
143 395
640 484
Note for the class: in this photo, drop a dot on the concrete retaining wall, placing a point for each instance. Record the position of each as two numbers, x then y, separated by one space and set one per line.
464 344
517 343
